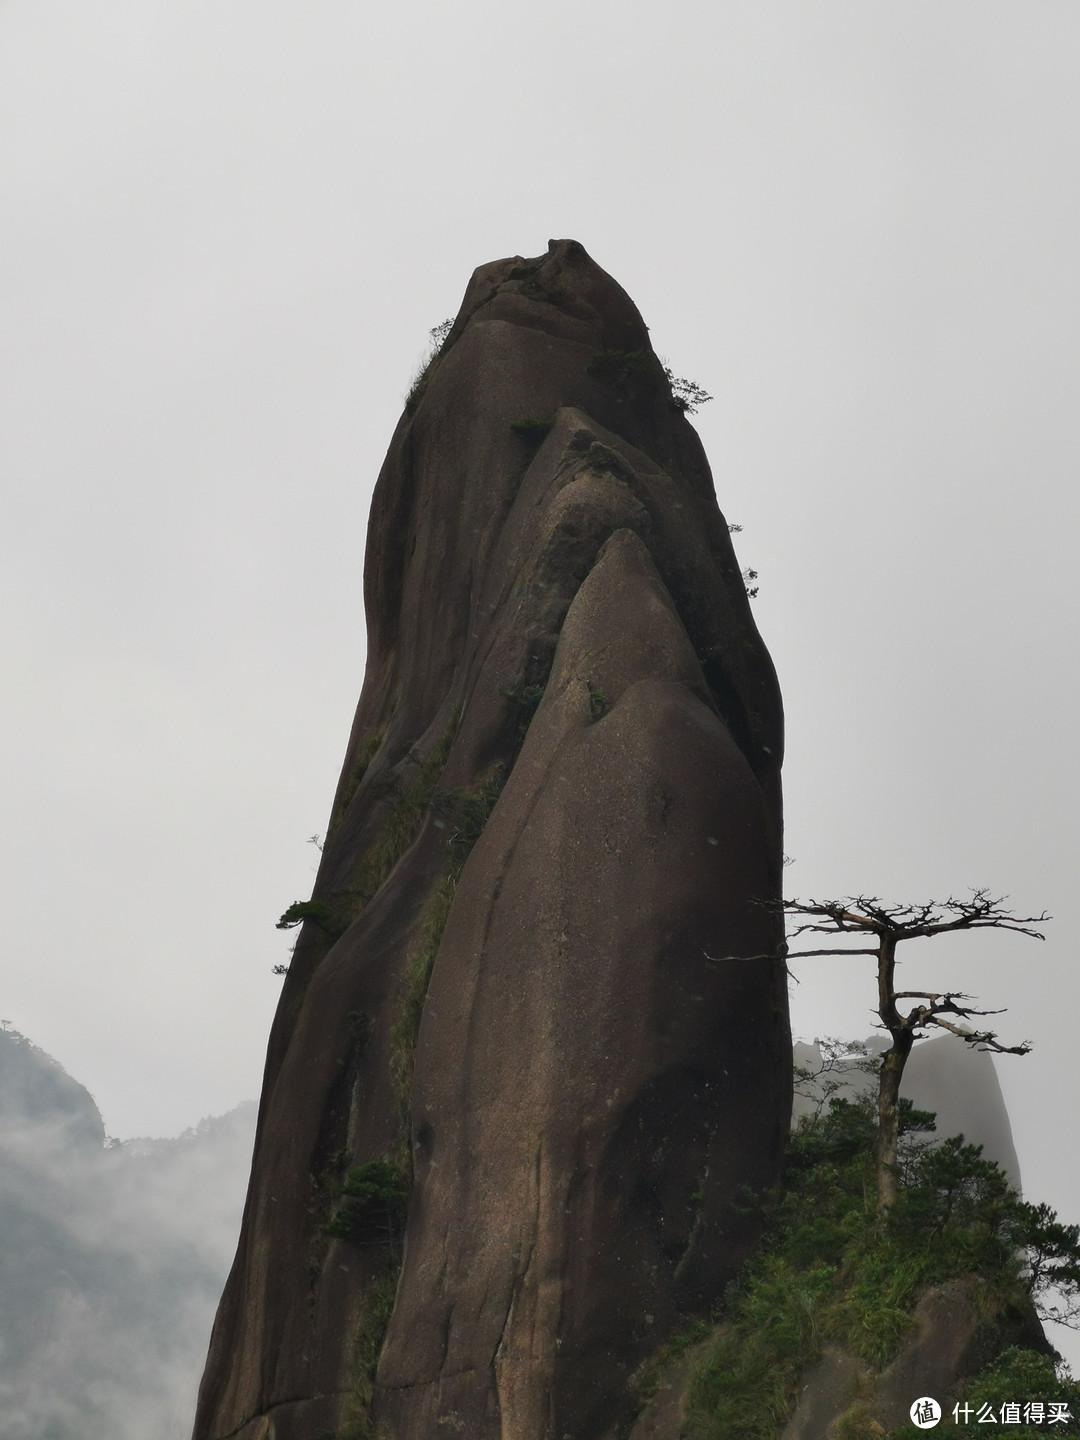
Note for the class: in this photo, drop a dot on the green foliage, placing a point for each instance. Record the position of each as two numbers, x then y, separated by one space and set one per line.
403 824
371 1209
528 697
649 1379
406 1027
831 1270
464 814
953 1191
437 338
325 1191
1019 1377
301 910
525 701
688 395
368 1336
598 703
400 829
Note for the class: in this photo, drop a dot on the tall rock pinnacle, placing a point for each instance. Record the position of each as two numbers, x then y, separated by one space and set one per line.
510 1102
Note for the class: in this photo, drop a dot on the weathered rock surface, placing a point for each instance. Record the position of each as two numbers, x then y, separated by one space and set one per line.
559 643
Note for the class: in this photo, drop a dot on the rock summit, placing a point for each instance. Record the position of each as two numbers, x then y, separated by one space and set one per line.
513 1094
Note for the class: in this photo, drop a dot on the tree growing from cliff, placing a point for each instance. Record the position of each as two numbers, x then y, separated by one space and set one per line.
889 926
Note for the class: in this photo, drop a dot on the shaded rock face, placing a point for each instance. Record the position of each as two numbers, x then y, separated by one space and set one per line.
560 798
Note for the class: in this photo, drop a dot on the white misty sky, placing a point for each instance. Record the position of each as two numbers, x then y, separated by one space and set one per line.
225 233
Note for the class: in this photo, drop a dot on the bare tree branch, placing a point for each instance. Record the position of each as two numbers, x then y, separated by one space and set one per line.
785 954
890 925
805 954
982 1039
932 917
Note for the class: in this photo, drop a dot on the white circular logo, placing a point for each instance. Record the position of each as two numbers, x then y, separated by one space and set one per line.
926 1412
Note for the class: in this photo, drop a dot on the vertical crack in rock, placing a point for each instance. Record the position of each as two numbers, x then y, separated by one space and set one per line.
560 796
504 1394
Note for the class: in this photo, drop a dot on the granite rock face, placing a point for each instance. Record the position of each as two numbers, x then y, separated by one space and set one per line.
560 798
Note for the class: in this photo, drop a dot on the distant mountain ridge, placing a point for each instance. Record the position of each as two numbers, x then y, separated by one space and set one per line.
112 1258
36 1088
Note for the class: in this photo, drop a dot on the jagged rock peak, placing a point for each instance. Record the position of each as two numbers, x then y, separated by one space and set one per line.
510 1101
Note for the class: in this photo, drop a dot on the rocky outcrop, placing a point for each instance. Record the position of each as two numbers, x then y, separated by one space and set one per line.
560 799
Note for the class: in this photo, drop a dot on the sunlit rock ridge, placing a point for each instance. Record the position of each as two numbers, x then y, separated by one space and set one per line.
560 798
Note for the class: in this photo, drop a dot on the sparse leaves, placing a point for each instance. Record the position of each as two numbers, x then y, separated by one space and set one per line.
748 575
439 334
820 1084
688 395
437 338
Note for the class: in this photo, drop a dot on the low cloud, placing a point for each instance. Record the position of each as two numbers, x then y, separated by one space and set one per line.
112 1258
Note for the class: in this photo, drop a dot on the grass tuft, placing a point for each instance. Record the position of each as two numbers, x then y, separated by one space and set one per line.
368 1336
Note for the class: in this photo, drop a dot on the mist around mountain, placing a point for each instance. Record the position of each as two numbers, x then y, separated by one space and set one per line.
113 1254
112 1258
957 1083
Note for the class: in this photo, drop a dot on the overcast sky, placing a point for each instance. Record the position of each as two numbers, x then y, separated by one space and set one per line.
225 231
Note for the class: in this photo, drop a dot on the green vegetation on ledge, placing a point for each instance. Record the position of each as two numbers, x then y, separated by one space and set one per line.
463 814
371 1210
399 831
369 1333
374 1196
833 1271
